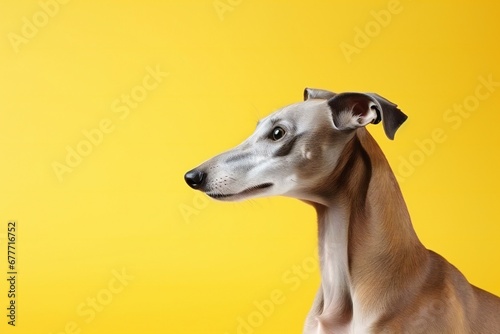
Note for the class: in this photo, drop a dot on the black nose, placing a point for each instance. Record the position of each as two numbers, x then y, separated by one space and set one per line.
194 178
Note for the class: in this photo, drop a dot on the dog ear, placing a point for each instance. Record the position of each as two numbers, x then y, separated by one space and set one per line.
313 93
353 110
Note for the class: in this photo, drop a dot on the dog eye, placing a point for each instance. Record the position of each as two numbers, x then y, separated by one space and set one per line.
277 133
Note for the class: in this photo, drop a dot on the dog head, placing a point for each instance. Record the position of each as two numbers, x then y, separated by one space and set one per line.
293 148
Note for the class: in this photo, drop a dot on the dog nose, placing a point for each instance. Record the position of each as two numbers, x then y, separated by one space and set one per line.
194 178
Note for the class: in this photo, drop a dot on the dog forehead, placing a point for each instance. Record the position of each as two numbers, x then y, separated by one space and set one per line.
300 114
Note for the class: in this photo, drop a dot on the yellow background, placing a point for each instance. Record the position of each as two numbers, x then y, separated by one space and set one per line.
198 265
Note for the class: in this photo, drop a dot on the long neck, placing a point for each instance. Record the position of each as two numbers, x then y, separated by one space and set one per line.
367 245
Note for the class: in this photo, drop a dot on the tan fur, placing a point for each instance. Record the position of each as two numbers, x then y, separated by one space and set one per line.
411 289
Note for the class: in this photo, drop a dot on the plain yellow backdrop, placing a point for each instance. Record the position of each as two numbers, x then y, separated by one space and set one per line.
113 241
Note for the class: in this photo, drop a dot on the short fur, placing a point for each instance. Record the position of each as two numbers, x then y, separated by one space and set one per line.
377 277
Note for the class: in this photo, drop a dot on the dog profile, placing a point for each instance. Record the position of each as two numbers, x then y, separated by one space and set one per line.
376 276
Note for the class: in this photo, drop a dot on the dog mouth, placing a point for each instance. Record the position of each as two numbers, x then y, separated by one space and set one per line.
247 191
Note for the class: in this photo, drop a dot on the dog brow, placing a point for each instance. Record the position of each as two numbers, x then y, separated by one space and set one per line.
274 121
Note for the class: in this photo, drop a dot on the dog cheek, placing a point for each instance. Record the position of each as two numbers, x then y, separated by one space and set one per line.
306 153
306 166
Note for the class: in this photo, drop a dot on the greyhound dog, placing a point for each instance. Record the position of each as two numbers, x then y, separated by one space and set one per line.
376 276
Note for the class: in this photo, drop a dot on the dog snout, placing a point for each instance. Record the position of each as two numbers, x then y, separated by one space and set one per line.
195 178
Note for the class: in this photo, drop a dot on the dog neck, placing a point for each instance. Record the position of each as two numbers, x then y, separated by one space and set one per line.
367 246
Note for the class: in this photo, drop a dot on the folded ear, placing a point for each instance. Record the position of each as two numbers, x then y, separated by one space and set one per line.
313 93
353 110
